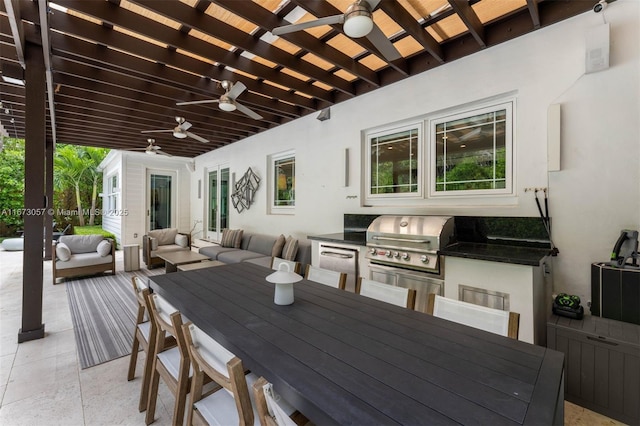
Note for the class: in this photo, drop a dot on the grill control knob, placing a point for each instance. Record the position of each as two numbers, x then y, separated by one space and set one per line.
396 254
372 251
424 259
405 256
387 253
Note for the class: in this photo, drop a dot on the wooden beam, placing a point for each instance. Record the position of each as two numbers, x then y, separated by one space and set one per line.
12 7
532 5
470 20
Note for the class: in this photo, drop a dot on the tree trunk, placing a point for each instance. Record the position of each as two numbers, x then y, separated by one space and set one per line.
79 202
94 198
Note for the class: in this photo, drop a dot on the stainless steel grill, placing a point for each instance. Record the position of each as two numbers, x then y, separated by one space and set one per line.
409 242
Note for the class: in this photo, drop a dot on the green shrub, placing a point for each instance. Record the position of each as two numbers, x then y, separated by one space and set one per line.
92 230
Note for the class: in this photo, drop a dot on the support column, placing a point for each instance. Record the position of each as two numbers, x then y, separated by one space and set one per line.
35 132
48 186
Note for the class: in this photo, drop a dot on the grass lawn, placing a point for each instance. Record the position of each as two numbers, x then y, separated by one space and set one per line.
90 230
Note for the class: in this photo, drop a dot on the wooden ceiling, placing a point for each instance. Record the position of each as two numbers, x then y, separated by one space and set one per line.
118 67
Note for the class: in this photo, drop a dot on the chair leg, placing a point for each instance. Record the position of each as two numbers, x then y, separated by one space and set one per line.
146 382
134 357
181 400
153 396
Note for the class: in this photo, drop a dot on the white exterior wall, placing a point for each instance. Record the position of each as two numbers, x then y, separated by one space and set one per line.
133 196
593 196
111 165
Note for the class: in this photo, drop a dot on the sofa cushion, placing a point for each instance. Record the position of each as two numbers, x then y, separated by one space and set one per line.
104 248
167 248
84 259
182 240
261 244
237 256
290 248
81 243
231 238
277 247
62 252
164 236
213 251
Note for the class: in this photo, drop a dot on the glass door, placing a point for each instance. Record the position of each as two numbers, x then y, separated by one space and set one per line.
218 202
161 199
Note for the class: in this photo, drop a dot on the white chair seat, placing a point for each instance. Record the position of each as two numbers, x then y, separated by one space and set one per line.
145 329
171 361
220 409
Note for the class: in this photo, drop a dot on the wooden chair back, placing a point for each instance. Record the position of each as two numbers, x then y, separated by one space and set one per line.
496 321
326 277
293 266
399 296
269 411
211 359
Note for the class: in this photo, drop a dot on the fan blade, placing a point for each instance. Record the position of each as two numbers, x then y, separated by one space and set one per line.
383 44
236 90
164 153
156 131
329 20
206 101
243 109
185 126
196 137
135 149
373 4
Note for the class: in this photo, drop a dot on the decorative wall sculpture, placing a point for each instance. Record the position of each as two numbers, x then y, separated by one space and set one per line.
244 190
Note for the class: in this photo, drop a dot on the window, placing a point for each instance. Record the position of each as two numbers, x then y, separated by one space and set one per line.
283 182
112 193
471 152
394 162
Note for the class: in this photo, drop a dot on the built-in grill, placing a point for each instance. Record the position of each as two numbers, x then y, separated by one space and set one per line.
409 241
403 251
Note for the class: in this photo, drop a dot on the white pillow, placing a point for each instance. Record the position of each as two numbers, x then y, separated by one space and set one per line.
154 243
182 240
63 252
104 248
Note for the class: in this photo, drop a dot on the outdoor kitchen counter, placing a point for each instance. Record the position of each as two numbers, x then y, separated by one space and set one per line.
517 255
351 238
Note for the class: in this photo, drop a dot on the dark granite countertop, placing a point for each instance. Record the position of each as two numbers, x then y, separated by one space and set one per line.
497 253
351 238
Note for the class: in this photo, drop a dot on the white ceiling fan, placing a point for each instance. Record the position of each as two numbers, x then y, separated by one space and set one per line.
151 149
356 22
180 131
227 101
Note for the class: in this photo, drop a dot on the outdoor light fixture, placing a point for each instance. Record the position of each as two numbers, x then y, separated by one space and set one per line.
358 21
179 135
12 73
226 104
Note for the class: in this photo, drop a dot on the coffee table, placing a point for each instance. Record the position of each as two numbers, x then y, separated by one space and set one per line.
200 265
174 258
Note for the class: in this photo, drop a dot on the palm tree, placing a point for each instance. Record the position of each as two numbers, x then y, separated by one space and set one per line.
70 166
95 157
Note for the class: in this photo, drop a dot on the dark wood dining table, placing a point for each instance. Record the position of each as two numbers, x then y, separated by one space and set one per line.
342 358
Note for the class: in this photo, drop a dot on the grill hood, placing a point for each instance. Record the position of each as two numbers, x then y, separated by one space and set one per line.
416 233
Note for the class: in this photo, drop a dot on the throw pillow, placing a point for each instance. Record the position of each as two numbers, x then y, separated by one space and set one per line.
290 248
63 252
182 240
154 243
104 248
231 238
277 246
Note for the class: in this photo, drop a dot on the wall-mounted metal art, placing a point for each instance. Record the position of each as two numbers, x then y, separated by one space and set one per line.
244 190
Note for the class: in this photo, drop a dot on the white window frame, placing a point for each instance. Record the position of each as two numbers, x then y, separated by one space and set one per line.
113 193
509 106
272 178
381 199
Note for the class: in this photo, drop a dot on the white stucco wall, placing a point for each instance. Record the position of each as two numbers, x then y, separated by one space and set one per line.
593 196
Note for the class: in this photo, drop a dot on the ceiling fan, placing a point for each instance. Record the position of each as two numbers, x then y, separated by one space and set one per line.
356 22
151 149
227 102
180 131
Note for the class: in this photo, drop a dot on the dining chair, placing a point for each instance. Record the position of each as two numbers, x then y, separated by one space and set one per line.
326 277
232 403
277 261
496 321
399 296
170 364
272 409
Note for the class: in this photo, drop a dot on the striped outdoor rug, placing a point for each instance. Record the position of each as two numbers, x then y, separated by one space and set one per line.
103 311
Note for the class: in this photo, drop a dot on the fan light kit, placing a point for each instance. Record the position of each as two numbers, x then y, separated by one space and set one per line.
180 131
151 149
358 22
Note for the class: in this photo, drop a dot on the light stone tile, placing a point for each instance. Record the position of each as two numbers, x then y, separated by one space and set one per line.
59 406
52 344
6 364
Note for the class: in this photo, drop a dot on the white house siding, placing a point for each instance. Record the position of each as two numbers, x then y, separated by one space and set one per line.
593 196
133 221
112 164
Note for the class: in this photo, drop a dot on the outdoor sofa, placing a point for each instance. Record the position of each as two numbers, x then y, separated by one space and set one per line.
161 241
78 255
